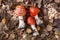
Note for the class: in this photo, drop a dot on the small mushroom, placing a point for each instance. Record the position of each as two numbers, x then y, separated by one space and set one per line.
20 11
34 13
31 22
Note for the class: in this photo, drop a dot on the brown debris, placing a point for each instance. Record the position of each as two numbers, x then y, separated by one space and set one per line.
57 1
11 37
38 28
19 0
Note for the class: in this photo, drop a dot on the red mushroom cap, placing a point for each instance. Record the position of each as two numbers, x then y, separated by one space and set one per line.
30 20
34 11
20 10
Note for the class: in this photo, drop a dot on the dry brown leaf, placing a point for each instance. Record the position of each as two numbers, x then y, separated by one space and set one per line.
4 20
28 30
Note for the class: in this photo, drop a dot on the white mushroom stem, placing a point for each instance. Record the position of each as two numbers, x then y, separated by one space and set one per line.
38 20
21 22
35 30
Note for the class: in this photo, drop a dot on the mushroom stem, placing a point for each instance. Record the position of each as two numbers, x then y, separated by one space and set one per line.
35 30
38 20
21 22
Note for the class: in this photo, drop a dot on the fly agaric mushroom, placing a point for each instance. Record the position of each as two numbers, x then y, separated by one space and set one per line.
34 13
20 11
31 22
